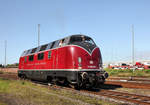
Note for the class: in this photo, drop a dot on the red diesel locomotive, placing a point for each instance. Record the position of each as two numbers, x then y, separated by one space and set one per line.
74 60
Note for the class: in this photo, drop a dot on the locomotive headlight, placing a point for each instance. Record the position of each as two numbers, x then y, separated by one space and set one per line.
79 60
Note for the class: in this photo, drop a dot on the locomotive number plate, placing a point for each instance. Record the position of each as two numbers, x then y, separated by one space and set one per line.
91 62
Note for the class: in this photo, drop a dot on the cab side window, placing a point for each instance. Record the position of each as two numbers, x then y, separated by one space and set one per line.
31 57
40 56
43 47
52 45
61 43
33 50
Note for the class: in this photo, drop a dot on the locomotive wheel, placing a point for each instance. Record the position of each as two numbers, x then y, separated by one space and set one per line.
49 79
22 77
66 83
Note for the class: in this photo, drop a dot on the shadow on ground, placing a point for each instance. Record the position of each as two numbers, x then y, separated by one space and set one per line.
106 87
110 86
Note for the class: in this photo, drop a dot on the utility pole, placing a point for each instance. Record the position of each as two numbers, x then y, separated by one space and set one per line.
133 67
5 51
133 45
38 34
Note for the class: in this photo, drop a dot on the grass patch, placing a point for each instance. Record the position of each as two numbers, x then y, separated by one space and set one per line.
128 73
19 91
4 85
25 92
1 103
83 98
1 72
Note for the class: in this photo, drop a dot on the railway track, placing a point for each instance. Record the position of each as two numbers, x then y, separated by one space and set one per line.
125 98
12 76
119 97
110 95
133 85
138 83
130 79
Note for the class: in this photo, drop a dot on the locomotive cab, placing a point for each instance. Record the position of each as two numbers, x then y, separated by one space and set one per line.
83 41
85 52
87 60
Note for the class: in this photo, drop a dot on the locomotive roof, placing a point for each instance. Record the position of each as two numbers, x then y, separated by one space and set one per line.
78 35
47 46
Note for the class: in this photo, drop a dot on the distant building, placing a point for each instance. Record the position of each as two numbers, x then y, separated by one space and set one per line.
128 65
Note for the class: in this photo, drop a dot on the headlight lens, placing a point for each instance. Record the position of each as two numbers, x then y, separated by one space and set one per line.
79 59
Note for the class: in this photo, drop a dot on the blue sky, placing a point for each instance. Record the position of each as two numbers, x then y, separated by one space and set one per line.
108 22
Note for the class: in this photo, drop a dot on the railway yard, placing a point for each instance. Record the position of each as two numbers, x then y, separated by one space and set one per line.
74 52
115 91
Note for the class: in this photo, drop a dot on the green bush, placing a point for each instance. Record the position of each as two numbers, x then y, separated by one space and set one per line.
113 72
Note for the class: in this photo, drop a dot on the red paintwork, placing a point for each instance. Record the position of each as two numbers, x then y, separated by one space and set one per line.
147 67
63 58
